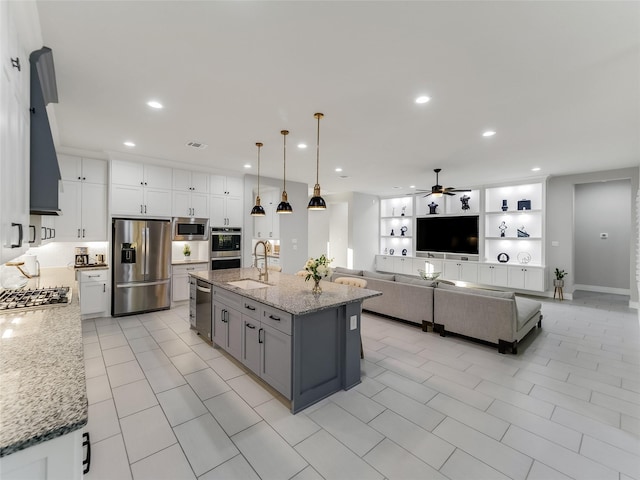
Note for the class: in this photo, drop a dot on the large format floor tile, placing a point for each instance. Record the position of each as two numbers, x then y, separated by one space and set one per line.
164 404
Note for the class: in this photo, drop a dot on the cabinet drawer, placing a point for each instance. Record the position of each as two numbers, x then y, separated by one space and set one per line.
184 269
251 308
231 300
94 276
277 319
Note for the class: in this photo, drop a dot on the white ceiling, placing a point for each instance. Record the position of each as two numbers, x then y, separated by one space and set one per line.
558 81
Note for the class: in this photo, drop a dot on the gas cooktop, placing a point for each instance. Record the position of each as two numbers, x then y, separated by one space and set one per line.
34 298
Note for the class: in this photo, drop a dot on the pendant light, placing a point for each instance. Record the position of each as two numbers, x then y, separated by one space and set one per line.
258 210
317 202
284 206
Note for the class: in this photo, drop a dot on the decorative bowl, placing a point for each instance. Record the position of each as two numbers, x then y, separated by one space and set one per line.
428 276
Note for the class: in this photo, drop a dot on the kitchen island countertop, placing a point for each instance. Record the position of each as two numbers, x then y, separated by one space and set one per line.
289 293
43 393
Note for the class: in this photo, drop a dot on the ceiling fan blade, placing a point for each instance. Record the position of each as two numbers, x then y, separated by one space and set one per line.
449 193
426 195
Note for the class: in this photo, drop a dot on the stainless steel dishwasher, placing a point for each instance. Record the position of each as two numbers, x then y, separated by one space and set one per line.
203 309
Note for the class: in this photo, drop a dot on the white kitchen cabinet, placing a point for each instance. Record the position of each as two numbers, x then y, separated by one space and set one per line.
460 270
527 278
497 275
188 204
403 266
180 280
225 211
94 293
81 169
140 189
188 181
227 186
14 138
384 263
84 212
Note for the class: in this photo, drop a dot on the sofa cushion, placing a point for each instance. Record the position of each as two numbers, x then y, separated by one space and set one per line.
380 276
415 281
348 271
478 291
526 309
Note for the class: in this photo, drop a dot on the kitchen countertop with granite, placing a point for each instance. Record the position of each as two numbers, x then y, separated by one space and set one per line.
43 391
289 293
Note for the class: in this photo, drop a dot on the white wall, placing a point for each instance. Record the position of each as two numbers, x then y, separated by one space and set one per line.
560 216
602 264
338 232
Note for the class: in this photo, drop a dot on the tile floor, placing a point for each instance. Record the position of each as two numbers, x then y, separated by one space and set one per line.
165 405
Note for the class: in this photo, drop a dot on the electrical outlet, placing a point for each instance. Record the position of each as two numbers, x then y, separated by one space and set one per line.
354 322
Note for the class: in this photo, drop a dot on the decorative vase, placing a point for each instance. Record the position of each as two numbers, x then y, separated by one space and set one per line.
317 289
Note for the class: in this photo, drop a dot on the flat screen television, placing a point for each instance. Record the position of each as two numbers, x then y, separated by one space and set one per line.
447 234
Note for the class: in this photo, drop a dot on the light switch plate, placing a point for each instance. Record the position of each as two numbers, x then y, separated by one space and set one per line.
354 322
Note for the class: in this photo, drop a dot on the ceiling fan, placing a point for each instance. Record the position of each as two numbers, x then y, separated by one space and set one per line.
438 190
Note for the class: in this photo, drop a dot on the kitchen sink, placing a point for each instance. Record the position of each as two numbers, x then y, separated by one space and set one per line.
248 284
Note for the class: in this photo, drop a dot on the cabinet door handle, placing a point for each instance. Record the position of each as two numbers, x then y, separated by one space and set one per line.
79 178
260 340
249 307
141 206
34 233
145 209
273 317
19 244
93 276
78 233
83 235
248 325
15 63
104 288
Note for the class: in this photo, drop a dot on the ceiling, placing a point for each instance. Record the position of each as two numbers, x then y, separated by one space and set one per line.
558 81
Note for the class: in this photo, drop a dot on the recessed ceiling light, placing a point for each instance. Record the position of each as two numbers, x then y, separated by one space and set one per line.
130 144
489 133
412 186
154 104
397 187
422 99
302 145
338 169
535 169
247 165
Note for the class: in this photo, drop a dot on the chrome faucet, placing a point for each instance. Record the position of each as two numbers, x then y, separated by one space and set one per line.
261 275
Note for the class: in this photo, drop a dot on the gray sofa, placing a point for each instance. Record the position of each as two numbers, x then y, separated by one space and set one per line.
406 298
492 316
488 315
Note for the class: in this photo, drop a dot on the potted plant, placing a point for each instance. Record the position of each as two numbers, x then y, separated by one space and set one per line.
559 280
186 251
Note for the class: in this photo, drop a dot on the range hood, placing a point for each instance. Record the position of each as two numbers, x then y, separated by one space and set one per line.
44 171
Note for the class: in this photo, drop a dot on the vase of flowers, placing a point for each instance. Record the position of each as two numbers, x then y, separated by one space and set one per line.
317 269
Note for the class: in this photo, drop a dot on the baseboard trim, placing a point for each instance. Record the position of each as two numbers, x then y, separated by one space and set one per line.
597 288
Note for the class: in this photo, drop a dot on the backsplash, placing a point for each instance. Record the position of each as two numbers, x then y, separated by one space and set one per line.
62 254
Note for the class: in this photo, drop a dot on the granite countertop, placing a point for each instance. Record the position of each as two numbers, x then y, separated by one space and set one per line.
289 293
187 262
90 266
43 392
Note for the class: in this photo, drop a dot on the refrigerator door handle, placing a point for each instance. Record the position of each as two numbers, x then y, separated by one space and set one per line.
145 242
141 284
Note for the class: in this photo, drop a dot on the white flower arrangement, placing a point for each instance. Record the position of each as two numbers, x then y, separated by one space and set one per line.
318 268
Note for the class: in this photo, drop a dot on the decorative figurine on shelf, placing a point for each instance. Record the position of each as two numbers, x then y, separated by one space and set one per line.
432 208
503 257
386 251
403 230
404 252
524 204
503 228
392 232
522 233
524 257
391 252
404 208
465 202
505 207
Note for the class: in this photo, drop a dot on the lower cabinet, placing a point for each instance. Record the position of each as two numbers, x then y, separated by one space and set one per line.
527 278
460 270
226 323
94 293
493 275
180 282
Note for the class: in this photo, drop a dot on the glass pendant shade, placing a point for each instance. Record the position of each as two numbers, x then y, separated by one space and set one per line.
284 207
258 210
317 202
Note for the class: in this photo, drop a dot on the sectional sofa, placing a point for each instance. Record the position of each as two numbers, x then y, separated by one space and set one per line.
497 317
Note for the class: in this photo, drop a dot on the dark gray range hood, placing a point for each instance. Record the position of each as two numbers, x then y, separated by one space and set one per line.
44 173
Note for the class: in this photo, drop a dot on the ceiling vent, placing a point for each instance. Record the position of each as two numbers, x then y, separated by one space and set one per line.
198 145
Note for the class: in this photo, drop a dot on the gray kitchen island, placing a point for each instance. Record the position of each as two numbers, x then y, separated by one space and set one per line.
303 345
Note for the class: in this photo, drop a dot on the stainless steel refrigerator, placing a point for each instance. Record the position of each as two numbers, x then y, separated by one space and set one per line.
141 256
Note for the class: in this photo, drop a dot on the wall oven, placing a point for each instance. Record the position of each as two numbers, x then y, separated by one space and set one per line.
226 248
190 229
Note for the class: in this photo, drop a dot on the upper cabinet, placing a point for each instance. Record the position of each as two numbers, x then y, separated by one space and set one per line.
188 181
82 199
14 137
225 207
140 189
229 186
190 194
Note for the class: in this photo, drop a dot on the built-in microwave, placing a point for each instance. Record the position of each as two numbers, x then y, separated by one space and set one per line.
226 242
186 228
